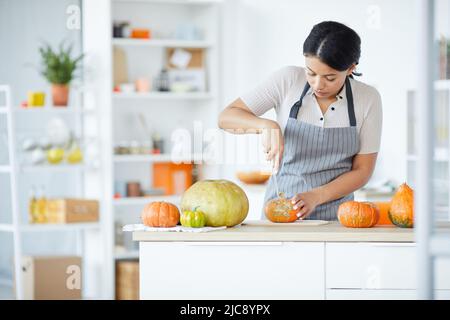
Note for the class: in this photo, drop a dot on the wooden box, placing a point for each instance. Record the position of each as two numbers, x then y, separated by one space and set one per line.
72 210
51 277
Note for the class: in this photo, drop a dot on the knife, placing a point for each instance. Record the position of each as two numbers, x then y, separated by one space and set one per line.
276 183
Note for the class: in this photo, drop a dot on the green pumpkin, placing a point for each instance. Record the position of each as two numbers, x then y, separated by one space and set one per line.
193 219
223 202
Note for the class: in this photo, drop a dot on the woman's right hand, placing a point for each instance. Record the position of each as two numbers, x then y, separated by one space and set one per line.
237 118
273 143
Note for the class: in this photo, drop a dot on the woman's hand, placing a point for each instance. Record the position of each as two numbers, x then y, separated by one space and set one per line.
273 143
307 202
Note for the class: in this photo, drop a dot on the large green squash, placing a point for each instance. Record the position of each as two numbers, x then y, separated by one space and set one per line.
223 202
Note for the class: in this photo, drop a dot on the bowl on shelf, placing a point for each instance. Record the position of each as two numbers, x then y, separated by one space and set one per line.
253 177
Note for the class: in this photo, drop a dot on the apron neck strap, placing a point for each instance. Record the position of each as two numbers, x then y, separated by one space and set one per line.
296 107
350 106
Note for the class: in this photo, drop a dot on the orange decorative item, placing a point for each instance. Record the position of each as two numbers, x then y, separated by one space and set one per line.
140 33
281 210
160 214
60 94
354 214
253 177
401 212
173 178
142 85
383 208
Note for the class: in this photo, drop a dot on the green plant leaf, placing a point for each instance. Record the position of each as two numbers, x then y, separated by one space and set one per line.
59 67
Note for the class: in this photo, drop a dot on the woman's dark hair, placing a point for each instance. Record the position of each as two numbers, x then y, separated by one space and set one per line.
334 44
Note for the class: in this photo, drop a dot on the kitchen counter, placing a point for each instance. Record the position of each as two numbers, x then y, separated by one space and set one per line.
261 260
254 231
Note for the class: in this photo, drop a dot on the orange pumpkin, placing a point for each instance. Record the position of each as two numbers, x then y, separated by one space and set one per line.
160 214
354 214
383 207
401 212
281 210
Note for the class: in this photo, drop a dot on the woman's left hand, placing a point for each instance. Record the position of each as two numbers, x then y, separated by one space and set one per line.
307 202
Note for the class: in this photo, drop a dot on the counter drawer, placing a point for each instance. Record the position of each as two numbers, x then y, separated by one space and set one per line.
377 266
232 270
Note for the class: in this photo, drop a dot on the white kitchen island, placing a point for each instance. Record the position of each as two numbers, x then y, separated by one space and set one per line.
284 261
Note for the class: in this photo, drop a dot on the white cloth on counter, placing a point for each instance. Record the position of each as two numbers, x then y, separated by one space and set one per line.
141 227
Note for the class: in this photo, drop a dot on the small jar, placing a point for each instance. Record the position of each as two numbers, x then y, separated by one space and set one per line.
135 147
122 148
134 189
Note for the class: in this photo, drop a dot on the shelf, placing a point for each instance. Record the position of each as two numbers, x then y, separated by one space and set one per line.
162 43
163 96
55 168
132 158
3 110
51 111
51 227
123 255
144 200
60 227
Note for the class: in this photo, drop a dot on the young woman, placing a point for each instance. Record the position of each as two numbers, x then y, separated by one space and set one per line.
328 128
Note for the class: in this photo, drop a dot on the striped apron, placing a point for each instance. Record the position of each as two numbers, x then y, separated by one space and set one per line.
314 156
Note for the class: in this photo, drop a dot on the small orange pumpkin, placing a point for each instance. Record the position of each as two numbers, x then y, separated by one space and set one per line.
383 207
401 212
281 210
160 214
354 214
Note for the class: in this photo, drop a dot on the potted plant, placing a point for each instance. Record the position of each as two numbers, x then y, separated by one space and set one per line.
59 68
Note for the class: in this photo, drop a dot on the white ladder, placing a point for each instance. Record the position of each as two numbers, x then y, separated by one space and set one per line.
12 170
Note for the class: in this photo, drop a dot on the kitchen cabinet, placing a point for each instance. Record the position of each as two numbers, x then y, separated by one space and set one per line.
370 265
238 270
323 262
378 266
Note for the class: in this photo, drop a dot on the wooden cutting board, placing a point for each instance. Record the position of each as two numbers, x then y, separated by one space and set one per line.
303 223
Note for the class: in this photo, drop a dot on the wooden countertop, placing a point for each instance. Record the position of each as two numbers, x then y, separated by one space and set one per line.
267 231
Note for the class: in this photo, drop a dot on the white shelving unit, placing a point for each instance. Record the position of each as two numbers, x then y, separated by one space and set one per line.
19 228
165 111
441 136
